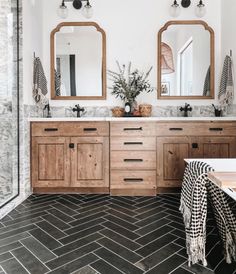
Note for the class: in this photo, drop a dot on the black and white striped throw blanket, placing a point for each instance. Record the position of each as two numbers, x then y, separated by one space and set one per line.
196 190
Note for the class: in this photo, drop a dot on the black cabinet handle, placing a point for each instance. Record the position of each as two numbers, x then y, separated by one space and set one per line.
216 129
195 145
133 160
131 180
51 129
71 145
133 143
133 128
90 129
176 129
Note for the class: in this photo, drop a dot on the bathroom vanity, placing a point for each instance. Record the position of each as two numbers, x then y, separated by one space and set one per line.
123 156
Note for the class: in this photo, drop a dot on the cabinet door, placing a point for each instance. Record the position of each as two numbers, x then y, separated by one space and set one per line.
213 147
90 162
171 152
50 162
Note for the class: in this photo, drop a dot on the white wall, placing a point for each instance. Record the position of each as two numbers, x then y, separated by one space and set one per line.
131 27
228 31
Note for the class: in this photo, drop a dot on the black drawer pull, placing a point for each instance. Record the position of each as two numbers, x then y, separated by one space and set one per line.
51 129
216 129
133 128
133 160
176 129
90 129
133 143
71 145
133 180
195 145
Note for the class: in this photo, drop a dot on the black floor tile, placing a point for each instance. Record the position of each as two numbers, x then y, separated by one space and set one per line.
75 265
81 220
5 256
39 250
120 250
155 245
45 239
121 222
71 256
81 234
13 239
99 234
168 265
9 247
12 266
121 230
154 235
117 261
104 268
29 261
60 215
158 256
120 239
74 245
56 222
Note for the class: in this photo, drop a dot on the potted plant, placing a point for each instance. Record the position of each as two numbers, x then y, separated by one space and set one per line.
128 83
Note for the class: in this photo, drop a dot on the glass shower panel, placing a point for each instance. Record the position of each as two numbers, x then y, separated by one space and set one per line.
9 100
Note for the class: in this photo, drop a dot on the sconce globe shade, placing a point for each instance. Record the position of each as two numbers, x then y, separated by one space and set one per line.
175 10
200 11
77 4
87 11
63 12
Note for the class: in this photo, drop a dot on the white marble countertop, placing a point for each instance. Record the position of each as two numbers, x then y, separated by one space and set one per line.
124 119
220 165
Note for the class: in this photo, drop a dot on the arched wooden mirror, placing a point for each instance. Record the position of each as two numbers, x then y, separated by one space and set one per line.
186 60
78 61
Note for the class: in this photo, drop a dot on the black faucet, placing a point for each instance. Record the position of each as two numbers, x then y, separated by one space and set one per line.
186 109
47 107
78 109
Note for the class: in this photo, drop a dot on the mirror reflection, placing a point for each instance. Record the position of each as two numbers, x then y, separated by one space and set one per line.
185 61
79 62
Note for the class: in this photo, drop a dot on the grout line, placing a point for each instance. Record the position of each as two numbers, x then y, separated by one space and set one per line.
20 263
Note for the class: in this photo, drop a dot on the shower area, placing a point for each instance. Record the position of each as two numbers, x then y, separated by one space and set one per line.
9 101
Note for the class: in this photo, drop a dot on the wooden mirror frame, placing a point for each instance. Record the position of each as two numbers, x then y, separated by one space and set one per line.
212 60
52 52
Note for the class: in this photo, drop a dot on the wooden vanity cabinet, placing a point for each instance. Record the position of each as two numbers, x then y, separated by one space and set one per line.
133 158
70 157
178 141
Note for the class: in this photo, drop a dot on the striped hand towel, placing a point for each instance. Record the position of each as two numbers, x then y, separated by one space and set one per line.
226 93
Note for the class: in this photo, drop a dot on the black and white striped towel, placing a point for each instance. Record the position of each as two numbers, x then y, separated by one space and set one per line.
196 189
226 93
40 89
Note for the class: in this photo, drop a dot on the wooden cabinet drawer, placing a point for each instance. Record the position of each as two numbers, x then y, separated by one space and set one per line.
70 128
136 160
136 129
196 128
133 143
133 179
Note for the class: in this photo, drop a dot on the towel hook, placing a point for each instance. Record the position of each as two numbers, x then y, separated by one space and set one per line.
231 53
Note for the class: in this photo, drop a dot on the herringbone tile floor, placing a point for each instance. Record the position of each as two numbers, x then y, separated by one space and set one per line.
88 234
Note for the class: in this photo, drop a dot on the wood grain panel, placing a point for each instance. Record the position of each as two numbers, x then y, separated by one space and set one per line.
133 143
171 152
132 129
133 179
203 128
90 162
137 160
50 162
68 129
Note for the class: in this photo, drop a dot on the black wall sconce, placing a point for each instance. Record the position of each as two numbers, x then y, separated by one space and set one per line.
175 10
87 9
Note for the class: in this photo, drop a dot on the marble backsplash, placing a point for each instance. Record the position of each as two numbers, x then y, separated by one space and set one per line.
158 111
